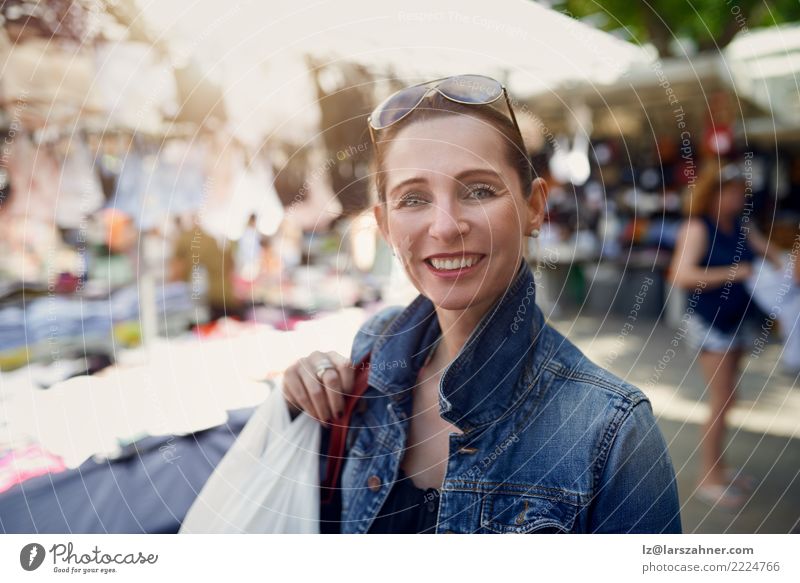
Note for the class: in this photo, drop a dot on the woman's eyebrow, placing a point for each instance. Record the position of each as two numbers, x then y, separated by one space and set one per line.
461 176
406 182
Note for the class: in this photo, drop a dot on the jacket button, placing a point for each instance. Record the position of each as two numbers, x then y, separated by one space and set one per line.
374 483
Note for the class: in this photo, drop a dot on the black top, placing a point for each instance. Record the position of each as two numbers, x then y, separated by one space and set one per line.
724 307
407 509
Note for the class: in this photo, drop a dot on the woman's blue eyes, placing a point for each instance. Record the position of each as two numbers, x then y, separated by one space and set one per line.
476 192
482 191
410 200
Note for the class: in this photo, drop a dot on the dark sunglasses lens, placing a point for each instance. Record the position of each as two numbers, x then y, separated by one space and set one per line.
397 106
471 89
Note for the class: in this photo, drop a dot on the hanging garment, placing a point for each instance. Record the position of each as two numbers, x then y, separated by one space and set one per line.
130 186
136 90
238 190
79 190
53 80
320 207
186 160
26 249
34 175
175 185
268 208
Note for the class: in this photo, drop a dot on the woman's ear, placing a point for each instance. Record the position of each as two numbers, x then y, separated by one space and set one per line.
536 203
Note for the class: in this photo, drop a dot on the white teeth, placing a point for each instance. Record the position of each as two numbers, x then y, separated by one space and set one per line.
454 263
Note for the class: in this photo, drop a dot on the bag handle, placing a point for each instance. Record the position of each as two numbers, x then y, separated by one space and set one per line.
338 436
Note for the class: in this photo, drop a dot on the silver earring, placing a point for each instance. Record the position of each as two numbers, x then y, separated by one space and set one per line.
534 233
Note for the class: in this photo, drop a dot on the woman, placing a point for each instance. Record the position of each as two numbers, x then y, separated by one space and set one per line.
712 259
479 417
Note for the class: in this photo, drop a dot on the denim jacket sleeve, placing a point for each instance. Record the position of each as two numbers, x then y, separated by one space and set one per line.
637 491
371 330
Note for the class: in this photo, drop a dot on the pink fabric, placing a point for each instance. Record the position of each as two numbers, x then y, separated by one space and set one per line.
20 465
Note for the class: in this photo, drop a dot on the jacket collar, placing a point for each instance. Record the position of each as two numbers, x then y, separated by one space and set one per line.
482 382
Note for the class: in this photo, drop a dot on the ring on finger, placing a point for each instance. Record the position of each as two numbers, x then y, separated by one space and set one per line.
322 367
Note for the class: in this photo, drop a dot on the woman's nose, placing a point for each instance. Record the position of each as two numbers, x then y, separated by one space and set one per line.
447 222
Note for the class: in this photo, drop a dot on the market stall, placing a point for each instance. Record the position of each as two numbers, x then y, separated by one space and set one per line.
621 156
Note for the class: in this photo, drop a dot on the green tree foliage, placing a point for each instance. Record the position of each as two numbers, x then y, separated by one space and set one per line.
710 24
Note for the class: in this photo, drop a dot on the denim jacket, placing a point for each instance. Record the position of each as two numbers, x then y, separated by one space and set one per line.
551 442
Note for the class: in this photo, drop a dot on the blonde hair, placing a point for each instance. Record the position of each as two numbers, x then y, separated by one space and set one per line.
698 200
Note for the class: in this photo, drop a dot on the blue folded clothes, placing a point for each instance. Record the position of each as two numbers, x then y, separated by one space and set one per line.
12 328
59 321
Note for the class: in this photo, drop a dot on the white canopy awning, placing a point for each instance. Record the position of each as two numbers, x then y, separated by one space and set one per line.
765 67
255 50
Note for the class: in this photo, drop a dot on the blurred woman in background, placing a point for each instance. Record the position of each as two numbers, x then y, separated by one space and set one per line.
716 246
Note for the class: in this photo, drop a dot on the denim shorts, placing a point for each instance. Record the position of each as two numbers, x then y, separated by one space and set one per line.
700 335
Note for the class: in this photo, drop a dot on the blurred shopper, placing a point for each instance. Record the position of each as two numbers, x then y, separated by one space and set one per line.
716 246
249 252
479 417
208 265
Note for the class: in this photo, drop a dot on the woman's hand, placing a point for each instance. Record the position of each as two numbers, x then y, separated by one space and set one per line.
797 271
761 246
321 396
743 271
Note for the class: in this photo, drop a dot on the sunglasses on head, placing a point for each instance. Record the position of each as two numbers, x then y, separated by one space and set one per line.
463 89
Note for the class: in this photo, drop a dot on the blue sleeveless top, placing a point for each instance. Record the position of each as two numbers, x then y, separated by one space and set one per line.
726 306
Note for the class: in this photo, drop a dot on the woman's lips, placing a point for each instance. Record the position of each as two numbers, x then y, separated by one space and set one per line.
446 261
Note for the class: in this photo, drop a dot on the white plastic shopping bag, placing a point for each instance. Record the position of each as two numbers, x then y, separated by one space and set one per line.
776 293
268 482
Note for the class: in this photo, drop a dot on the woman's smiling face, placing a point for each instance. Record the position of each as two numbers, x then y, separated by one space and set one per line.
454 210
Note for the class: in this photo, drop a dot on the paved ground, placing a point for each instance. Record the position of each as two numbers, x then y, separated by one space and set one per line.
764 437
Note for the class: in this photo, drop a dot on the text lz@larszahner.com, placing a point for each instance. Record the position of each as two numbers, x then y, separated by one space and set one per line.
65 555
